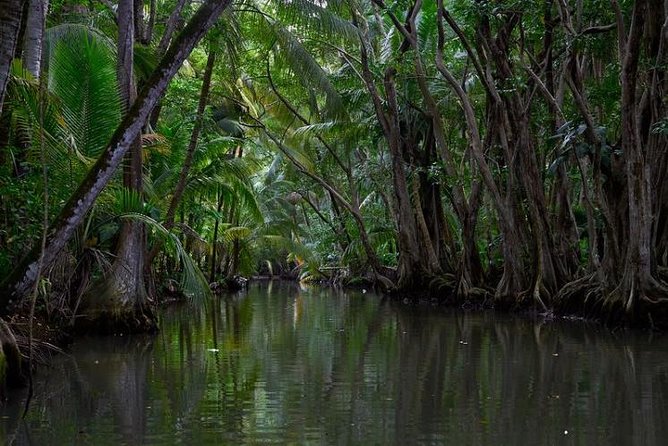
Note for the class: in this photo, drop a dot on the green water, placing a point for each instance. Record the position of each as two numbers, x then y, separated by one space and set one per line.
285 365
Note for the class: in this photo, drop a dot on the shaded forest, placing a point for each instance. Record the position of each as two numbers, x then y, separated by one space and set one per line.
510 153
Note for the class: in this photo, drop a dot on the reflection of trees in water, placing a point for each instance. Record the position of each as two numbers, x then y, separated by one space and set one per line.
104 388
311 365
501 381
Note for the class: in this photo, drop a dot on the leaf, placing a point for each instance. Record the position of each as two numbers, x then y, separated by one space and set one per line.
554 165
236 233
314 129
563 129
311 16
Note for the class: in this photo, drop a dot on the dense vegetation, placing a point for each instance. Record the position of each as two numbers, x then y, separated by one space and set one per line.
509 152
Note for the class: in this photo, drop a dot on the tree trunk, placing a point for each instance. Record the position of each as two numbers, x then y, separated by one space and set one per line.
20 281
214 243
10 23
138 13
171 25
410 267
148 34
637 281
510 284
190 152
120 300
165 40
34 35
414 269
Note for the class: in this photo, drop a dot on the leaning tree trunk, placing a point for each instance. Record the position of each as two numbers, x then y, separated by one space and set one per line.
15 287
171 25
190 152
10 24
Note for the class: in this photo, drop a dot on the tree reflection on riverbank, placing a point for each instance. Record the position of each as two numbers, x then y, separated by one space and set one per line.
281 364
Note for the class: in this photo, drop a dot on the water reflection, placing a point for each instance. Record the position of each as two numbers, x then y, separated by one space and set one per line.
293 366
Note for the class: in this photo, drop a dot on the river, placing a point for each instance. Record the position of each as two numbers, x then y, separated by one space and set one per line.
288 365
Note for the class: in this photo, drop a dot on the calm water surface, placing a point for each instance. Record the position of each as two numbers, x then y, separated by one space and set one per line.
285 365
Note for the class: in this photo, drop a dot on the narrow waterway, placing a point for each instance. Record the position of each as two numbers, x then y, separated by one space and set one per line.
285 365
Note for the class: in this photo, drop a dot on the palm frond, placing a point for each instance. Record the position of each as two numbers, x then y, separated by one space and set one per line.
146 58
427 27
35 123
76 31
293 247
314 129
91 105
236 233
313 16
308 71
127 201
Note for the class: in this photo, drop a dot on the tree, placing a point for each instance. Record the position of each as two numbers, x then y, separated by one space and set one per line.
10 22
34 35
120 299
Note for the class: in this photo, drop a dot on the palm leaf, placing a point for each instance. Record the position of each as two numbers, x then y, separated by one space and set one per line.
314 17
28 118
310 72
73 31
314 129
236 233
91 104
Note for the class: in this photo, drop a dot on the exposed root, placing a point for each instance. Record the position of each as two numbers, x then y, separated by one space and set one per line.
109 311
385 283
127 320
630 302
12 367
658 292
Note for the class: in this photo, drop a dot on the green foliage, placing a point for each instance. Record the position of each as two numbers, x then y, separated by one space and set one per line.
91 105
294 161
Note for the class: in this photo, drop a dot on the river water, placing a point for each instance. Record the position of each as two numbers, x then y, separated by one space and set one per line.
286 365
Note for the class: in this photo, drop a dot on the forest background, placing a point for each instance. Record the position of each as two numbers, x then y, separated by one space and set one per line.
510 153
